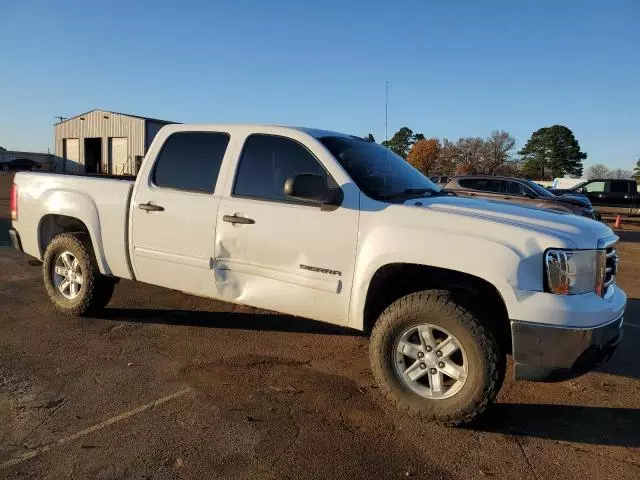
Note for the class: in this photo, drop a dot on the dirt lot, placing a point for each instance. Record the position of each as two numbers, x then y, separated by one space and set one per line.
165 385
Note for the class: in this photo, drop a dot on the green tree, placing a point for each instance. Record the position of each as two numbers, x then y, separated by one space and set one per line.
636 170
552 152
402 141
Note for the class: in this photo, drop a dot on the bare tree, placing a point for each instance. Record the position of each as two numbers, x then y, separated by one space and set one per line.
447 158
498 148
621 174
471 155
597 171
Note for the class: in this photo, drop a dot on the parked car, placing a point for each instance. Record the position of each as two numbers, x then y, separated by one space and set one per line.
331 227
440 180
606 192
517 190
20 164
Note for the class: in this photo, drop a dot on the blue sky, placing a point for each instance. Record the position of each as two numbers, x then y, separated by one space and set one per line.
455 68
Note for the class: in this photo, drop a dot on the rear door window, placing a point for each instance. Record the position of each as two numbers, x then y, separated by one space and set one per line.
191 161
618 186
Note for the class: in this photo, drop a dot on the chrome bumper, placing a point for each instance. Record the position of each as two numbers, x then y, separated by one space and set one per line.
546 353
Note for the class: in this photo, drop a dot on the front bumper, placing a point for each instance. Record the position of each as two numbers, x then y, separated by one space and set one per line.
15 239
547 353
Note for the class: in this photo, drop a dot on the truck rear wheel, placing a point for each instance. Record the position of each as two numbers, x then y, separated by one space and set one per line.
71 275
434 359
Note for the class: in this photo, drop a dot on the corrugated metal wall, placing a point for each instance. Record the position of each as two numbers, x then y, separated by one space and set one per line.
104 125
153 127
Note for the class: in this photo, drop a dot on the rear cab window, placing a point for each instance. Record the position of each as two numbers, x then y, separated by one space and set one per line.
190 161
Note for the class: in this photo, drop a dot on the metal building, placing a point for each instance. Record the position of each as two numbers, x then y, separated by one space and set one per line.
101 141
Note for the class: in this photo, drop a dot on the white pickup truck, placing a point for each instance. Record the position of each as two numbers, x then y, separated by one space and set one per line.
339 229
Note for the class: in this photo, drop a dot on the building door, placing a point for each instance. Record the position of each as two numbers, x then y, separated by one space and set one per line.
71 154
118 149
93 155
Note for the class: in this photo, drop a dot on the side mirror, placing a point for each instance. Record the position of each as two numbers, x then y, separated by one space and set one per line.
312 188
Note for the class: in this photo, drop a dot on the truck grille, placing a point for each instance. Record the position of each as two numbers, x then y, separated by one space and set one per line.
611 267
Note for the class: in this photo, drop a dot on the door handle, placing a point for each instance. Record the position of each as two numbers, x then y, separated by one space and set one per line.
150 207
238 219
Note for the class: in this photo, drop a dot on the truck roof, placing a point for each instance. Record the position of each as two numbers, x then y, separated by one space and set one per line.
262 128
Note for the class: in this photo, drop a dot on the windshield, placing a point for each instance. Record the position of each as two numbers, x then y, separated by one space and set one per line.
378 172
540 190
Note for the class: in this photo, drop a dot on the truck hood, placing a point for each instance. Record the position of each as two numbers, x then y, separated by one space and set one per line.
510 223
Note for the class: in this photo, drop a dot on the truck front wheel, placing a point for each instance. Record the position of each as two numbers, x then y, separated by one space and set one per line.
71 275
434 359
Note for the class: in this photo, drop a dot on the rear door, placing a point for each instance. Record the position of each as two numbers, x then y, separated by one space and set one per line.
619 193
173 212
282 254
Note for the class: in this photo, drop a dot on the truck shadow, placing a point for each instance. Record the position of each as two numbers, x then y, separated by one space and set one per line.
624 361
259 321
567 423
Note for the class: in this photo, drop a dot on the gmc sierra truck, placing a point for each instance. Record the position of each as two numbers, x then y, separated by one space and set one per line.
336 228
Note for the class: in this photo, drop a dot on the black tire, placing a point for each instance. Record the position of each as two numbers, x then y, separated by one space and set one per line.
435 307
96 289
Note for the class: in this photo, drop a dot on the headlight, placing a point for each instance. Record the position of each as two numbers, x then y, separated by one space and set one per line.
571 272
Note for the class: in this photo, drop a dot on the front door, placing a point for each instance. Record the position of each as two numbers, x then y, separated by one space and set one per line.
277 253
595 191
173 217
518 193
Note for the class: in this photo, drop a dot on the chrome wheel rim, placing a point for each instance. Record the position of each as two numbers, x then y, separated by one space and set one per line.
67 275
430 361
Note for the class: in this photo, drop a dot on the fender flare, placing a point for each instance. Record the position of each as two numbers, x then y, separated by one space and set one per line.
81 207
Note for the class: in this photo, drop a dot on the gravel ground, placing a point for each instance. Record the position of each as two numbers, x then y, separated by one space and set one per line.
165 385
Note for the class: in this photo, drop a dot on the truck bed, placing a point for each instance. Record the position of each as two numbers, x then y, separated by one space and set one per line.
96 175
101 202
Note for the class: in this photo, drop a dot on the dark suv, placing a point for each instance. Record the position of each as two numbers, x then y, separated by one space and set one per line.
20 164
606 192
520 191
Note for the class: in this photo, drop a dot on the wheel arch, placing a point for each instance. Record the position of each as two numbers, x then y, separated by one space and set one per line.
395 280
